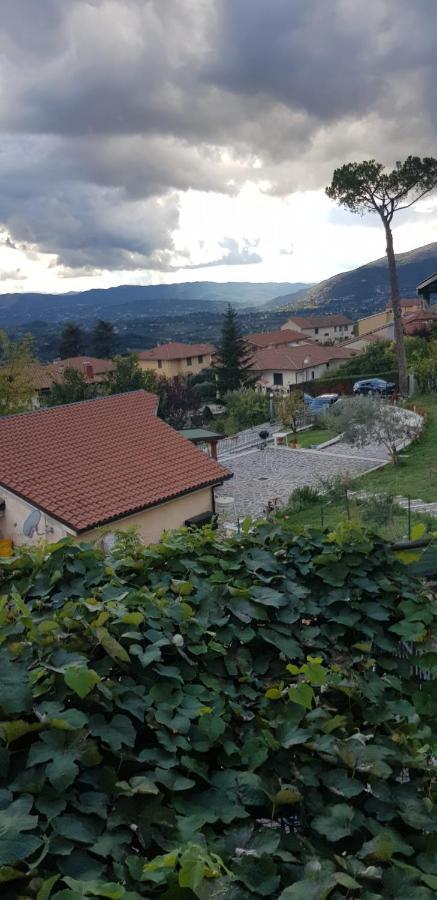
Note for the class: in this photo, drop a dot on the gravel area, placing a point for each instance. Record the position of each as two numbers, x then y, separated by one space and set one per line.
261 475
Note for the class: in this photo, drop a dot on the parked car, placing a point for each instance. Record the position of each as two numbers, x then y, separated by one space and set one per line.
320 404
374 386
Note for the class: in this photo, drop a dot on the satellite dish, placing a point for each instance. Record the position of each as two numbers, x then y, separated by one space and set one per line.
31 523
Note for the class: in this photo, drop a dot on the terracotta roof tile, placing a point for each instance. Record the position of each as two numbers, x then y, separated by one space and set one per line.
275 338
177 351
92 462
296 358
326 321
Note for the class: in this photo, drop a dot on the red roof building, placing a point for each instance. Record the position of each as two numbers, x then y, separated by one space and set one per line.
108 460
275 338
177 359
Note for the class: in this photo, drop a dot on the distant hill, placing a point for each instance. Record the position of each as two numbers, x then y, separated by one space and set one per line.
363 291
133 301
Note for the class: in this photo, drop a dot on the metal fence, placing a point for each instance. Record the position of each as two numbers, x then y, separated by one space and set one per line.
250 438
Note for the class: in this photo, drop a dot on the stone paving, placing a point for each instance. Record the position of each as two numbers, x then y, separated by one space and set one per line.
262 475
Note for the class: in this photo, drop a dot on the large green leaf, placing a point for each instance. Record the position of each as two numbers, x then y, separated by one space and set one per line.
15 822
15 693
81 680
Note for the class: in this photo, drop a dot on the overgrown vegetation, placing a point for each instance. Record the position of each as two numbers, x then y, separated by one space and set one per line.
217 720
365 419
16 387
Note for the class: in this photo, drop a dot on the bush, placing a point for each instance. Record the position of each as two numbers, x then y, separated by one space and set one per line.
216 719
303 496
244 409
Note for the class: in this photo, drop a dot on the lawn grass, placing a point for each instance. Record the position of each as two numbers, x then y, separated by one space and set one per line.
417 475
314 436
330 513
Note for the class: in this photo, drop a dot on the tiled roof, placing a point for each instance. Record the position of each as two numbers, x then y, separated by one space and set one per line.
177 351
274 338
91 367
283 359
82 364
319 321
42 377
90 463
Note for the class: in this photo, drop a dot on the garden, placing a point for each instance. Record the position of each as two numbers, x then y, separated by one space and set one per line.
216 719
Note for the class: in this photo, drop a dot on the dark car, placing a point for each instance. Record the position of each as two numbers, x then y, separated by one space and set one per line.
320 404
374 386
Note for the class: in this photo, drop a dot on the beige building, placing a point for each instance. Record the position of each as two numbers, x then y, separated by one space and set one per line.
409 307
177 359
324 329
105 463
280 368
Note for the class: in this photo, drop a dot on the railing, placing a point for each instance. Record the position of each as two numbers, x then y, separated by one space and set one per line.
250 438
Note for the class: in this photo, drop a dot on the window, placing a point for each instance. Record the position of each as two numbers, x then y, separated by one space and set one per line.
312 373
200 359
316 331
278 378
327 365
189 361
159 363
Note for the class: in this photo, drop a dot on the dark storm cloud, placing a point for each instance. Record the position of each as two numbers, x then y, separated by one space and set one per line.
111 108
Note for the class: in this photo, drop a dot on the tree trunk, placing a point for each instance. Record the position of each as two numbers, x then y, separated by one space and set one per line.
397 314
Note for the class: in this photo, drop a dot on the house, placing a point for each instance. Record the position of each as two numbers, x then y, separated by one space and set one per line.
409 306
413 323
283 336
177 359
69 470
324 329
427 287
279 368
93 370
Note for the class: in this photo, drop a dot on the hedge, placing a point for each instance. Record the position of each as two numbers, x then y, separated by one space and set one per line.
217 719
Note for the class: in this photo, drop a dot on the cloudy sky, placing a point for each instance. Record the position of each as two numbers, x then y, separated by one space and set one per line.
173 140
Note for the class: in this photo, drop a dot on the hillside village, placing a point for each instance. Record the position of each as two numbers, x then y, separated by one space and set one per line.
218 450
303 353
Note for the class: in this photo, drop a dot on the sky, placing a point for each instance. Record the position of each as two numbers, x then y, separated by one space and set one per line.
148 141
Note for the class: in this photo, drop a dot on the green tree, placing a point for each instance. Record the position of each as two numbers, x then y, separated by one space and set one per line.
16 384
233 359
72 388
72 341
290 410
103 340
128 375
244 409
367 187
364 420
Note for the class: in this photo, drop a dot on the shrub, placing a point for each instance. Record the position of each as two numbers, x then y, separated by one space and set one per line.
303 496
216 719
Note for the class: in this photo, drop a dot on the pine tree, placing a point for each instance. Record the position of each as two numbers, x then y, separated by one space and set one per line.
72 341
103 340
234 359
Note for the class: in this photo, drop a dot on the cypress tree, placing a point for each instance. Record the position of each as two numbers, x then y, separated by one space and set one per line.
233 359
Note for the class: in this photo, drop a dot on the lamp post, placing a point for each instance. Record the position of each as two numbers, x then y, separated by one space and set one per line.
271 408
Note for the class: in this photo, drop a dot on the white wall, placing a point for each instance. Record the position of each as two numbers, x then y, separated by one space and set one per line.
292 378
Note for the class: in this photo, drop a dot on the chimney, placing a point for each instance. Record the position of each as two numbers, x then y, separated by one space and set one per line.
88 371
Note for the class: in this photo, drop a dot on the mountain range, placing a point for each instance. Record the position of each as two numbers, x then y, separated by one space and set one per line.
133 301
363 291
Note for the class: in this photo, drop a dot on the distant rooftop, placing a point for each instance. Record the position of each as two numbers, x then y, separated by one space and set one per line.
176 350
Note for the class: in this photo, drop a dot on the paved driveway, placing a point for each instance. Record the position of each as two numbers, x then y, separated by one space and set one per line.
260 475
